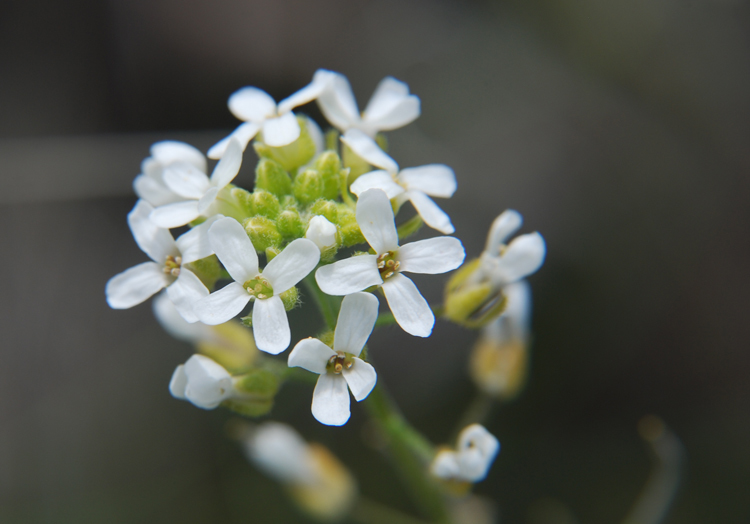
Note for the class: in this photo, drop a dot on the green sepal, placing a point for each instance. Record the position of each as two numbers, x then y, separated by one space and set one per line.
349 230
327 338
258 382
270 176
308 186
290 225
290 298
271 253
472 304
332 139
264 203
242 197
207 269
328 164
325 208
262 232
249 407
292 156
356 164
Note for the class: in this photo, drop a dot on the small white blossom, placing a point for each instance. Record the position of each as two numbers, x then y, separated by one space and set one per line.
513 324
340 366
475 452
504 264
201 381
169 257
322 232
260 113
413 183
150 186
390 107
430 256
197 191
235 250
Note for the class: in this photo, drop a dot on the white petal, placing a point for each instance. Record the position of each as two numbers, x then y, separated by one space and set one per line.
357 317
408 306
281 131
243 134
523 256
208 384
270 325
375 220
431 256
206 200
170 151
222 305
173 323
321 81
337 102
310 354
361 378
178 382
228 166
175 215
234 249
436 180
194 244
134 285
502 227
252 104
186 291
445 465
369 150
432 215
154 191
349 275
388 89
185 180
321 232
477 449
153 240
292 265
401 113
330 402
282 453
376 180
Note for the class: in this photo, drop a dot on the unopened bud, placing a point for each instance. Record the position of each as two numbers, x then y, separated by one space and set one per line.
295 155
270 176
290 225
308 186
262 232
263 203
325 208
349 230
323 233
290 298
328 164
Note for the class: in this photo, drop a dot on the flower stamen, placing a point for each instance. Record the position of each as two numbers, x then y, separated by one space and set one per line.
172 265
387 264
259 287
339 362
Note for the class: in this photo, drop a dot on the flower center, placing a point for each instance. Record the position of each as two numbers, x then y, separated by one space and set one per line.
339 362
387 264
172 265
258 287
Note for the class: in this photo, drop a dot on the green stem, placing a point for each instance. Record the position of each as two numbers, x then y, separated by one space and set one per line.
411 454
368 511
410 227
328 305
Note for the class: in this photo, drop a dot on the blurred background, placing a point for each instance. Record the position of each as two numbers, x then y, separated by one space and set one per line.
619 129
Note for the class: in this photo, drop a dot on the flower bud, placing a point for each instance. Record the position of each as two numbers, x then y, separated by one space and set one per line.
290 298
328 164
262 233
349 230
295 155
255 392
308 186
469 302
290 225
270 176
263 203
201 381
323 233
325 208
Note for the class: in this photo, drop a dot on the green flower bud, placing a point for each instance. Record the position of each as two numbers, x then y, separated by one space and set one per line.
328 164
270 176
356 164
325 208
292 156
472 303
290 225
290 298
262 233
348 227
242 197
308 186
208 270
258 389
263 203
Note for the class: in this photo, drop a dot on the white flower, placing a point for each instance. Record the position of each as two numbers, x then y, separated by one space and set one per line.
430 256
133 286
196 190
201 381
260 112
504 264
412 183
150 186
476 450
235 250
390 107
340 366
322 232
513 324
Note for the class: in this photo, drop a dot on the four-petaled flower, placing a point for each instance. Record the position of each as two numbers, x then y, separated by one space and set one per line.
340 366
201 381
235 250
475 452
196 190
260 113
390 107
150 185
412 183
384 268
133 286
